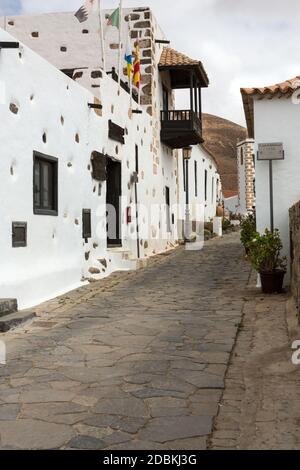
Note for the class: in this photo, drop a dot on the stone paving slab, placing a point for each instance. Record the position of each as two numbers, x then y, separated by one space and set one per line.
136 361
260 406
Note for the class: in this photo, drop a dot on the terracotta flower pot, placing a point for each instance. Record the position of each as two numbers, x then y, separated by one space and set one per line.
220 211
272 282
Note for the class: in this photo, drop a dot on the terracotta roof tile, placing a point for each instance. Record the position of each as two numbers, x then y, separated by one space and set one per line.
227 193
172 58
289 86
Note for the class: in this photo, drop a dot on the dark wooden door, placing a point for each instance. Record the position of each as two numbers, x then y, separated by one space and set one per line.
113 200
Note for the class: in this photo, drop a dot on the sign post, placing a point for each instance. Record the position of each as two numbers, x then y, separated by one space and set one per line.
270 152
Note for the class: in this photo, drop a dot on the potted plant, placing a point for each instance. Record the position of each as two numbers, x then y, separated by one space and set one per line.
248 231
264 253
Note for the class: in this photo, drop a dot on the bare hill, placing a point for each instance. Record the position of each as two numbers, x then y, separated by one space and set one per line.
221 137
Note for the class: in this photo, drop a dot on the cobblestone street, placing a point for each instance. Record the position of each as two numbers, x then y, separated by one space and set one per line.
136 361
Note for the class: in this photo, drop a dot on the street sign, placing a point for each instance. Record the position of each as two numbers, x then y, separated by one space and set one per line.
272 151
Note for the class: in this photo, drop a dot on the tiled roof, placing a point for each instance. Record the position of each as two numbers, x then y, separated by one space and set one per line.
172 58
286 88
289 86
227 193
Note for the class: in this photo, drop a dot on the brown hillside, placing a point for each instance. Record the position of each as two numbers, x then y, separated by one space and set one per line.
220 137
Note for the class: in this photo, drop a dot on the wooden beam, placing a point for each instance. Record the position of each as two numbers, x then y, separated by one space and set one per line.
95 106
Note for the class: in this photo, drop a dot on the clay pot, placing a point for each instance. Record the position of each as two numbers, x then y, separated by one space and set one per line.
220 211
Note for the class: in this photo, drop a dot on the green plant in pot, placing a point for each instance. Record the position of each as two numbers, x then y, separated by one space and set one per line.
264 254
248 231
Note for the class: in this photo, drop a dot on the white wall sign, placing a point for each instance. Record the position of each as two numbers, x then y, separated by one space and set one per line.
272 151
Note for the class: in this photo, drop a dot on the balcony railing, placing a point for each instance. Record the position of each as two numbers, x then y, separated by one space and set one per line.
180 128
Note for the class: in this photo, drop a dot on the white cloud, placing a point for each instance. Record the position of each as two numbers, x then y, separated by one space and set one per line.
240 42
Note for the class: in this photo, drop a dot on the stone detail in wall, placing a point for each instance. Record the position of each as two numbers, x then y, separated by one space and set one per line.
14 108
294 214
142 24
103 262
94 271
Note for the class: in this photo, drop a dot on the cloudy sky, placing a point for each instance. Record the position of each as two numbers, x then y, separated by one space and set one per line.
240 42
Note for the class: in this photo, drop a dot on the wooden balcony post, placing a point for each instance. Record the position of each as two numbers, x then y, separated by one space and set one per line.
192 91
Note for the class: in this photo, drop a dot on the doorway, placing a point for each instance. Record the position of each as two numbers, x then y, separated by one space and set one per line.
113 203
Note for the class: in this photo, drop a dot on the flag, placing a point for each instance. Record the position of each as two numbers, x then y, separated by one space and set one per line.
114 19
129 57
137 66
83 13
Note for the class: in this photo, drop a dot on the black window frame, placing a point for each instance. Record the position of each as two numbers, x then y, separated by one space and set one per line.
38 209
196 177
168 209
205 184
86 224
19 243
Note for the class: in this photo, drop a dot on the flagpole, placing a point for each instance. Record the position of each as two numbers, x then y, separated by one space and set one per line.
102 35
131 74
120 40
140 84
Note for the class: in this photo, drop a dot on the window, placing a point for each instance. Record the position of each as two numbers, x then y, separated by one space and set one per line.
137 159
168 213
86 224
196 178
205 185
242 157
45 176
19 234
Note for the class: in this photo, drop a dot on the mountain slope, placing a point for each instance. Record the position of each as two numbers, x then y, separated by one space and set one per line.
221 137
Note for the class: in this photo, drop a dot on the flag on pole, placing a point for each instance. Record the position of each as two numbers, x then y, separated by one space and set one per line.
114 19
137 66
129 57
83 13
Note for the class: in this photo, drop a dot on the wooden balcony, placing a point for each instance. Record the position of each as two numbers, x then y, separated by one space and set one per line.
180 128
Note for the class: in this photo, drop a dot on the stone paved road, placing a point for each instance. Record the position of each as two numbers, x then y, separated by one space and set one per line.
137 365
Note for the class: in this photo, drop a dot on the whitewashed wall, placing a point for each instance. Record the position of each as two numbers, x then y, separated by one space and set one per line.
197 198
54 260
241 164
278 120
231 204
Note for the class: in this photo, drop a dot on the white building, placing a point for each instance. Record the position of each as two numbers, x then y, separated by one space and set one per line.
231 202
246 176
71 148
272 115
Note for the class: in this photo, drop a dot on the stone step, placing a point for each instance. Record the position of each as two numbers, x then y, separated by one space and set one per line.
8 306
12 320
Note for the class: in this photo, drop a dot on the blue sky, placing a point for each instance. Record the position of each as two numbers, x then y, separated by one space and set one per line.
241 43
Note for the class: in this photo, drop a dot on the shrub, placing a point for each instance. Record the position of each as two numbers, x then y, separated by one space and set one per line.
248 230
226 225
264 252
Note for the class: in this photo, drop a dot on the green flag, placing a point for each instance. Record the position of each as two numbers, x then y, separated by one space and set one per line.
114 19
